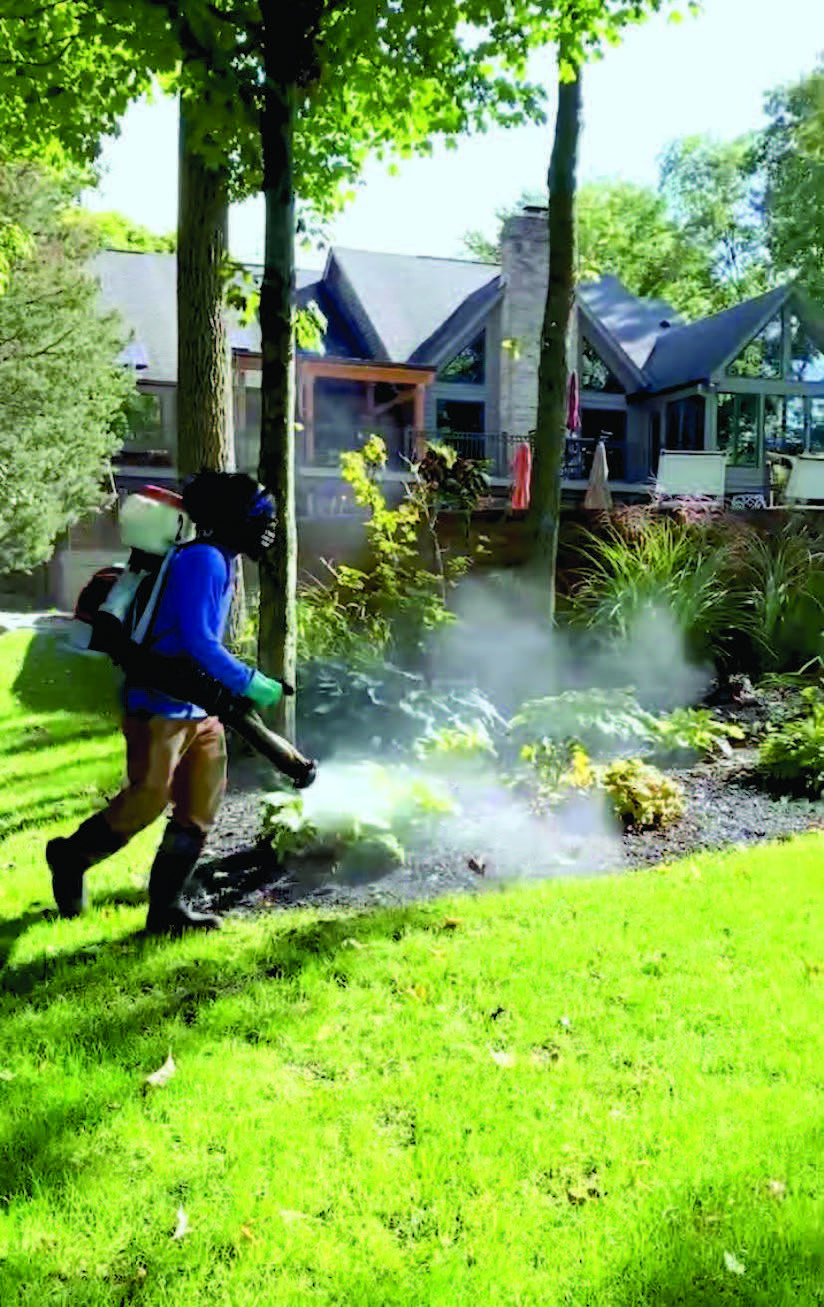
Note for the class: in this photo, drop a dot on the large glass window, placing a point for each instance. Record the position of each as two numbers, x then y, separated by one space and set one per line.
817 426
737 433
806 359
595 375
784 424
469 366
685 423
459 417
763 357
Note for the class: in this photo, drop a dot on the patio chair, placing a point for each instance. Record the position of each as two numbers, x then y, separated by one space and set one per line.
700 473
806 480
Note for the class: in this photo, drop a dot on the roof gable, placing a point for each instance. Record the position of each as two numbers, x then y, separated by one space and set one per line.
693 352
413 304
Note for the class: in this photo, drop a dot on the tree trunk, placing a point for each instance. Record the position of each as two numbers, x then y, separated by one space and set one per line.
550 431
205 426
277 644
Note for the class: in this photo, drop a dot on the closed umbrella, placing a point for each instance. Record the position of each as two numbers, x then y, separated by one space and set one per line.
521 472
598 493
573 422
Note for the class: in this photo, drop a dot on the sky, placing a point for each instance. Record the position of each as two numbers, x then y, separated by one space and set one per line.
707 74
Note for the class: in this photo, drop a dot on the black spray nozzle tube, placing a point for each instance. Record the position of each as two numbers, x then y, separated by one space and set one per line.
182 678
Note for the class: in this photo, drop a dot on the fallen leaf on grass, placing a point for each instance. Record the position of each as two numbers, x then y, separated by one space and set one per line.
732 1264
474 864
585 1192
6 1075
290 1217
547 1055
182 1224
777 1188
248 1232
451 923
502 1058
351 943
163 1074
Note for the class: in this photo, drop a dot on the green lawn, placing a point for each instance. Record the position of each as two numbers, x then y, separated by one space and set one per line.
605 1091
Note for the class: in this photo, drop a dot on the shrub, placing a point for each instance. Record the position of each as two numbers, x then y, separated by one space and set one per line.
391 807
792 755
642 796
690 731
462 743
593 717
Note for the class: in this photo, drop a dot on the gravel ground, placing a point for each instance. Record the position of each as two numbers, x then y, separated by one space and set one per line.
490 846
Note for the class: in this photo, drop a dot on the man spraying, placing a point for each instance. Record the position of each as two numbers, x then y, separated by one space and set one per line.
176 751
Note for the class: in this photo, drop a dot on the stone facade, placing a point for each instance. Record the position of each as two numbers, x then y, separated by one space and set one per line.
525 269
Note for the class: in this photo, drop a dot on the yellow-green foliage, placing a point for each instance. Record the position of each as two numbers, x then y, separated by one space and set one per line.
641 795
461 743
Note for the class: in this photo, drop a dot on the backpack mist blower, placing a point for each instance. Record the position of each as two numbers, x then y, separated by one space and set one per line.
114 615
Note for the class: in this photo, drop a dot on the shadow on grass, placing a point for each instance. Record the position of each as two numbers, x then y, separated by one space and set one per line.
53 678
164 987
783 1271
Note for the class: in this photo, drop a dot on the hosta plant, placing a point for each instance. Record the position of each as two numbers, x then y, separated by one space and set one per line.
367 822
461 743
692 731
792 755
599 719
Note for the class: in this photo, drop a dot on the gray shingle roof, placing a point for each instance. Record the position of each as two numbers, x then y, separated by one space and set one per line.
693 352
142 288
408 299
634 324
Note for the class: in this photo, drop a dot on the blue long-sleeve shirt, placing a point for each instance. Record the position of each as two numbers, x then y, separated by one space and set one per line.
191 619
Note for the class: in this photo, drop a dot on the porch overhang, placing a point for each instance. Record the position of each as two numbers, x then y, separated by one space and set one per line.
393 374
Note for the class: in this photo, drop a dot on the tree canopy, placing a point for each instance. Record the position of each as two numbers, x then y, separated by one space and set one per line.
62 396
790 159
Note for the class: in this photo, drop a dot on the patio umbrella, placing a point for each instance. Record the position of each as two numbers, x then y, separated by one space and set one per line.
598 492
521 472
573 422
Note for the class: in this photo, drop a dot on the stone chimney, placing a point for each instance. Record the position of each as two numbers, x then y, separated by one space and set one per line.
525 269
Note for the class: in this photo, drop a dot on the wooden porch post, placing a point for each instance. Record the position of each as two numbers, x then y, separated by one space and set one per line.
309 419
419 419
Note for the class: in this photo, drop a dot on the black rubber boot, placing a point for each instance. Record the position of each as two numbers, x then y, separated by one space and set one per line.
171 872
70 857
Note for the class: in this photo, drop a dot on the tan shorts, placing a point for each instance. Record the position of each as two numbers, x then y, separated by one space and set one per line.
169 760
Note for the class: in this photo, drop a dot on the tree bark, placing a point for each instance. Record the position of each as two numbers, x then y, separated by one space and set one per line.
550 431
277 641
205 426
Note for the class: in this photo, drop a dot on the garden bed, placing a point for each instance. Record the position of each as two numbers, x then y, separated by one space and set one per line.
723 806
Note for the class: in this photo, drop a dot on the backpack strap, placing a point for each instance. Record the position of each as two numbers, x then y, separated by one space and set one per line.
142 629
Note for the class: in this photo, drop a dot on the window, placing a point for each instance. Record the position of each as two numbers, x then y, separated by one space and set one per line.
817 426
806 359
144 418
763 357
595 375
459 417
469 366
738 429
685 423
784 424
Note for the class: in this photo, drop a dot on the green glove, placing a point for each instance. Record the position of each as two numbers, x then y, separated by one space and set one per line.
263 691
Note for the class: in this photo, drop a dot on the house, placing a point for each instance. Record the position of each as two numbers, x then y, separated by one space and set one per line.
418 348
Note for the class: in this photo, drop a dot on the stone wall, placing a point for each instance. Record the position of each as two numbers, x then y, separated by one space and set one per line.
525 267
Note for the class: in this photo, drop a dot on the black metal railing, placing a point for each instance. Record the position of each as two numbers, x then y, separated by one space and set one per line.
497 450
